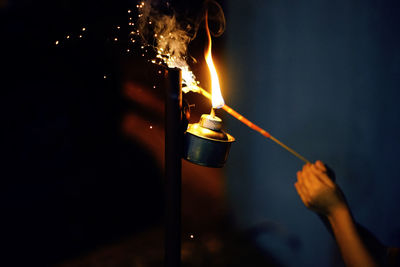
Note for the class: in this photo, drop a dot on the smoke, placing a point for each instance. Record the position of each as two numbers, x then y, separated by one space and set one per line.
170 33
171 43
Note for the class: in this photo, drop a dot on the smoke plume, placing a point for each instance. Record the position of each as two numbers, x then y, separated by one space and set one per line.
170 33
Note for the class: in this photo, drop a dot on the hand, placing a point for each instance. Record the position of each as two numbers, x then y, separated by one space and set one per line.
317 191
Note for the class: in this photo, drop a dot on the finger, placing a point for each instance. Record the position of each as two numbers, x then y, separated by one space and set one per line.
299 177
305 166
309 184
321 175
325 178
297 186
309 178
305 195
301 194
314 169
320 165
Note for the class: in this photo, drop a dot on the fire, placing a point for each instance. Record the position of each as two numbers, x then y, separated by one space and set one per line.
217 99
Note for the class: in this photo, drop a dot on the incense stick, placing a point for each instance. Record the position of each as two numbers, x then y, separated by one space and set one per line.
255 127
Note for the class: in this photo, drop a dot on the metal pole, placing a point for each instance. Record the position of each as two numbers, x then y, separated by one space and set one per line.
173 167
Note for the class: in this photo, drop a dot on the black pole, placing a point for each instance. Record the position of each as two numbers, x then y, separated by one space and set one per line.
173 167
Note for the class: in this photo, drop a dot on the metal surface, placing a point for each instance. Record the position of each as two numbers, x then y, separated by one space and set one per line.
206 147
173 167
210 122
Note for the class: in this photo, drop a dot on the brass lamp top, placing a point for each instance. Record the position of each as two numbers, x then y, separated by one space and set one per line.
209 128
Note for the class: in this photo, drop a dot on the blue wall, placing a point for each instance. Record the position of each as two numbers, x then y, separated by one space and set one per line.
322 76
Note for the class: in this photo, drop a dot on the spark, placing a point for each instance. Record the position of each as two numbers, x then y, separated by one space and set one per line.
151 127
67 37
57 42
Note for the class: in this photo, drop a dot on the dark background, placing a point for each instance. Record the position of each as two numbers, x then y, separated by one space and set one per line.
321 76
71 180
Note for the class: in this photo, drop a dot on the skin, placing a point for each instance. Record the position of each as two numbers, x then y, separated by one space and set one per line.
321 195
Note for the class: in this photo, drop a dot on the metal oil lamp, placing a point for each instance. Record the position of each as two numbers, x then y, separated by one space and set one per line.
205 143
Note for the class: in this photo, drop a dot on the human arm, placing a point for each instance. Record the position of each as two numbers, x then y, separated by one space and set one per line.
320 194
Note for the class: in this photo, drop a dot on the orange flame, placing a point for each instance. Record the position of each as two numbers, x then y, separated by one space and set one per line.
217 99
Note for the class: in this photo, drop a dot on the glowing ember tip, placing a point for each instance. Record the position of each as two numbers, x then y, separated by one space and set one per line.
217 99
